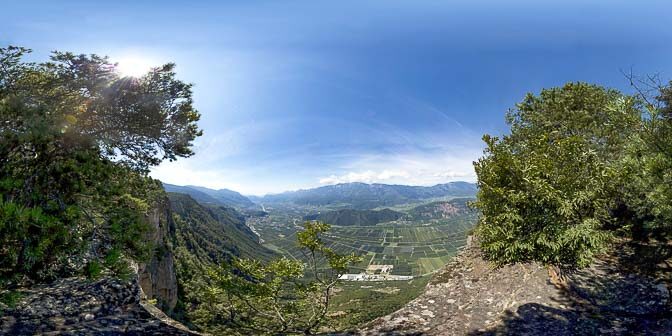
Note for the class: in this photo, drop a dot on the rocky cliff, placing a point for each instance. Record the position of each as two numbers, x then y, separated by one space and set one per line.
470 297
157 278
77 306
107 306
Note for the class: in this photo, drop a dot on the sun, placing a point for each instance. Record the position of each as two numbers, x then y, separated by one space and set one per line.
134 66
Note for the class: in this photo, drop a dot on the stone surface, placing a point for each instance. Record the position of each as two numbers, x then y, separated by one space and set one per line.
469 297
76 306
610 289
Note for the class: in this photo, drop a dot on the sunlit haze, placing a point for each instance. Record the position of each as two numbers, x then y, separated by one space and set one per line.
134 66
301 94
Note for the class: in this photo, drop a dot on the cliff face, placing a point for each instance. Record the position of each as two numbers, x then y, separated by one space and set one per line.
219 232
105 306
157 277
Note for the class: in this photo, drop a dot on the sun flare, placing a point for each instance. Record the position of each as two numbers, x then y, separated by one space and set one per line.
134 66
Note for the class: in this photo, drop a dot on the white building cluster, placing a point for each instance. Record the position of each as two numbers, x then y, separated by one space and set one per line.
376 273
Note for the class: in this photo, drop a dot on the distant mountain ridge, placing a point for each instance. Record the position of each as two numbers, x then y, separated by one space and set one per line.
205 195
368 196
347 195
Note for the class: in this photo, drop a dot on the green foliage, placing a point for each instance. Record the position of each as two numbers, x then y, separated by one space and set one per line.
29 241
213 234
284 296
93 269
648 168
205 236
354 217
76 141
547 190
10 299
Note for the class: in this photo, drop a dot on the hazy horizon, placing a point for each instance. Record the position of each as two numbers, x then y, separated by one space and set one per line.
297 94
324 185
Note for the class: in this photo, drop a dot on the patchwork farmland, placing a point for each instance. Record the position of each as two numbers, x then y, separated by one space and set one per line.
414 248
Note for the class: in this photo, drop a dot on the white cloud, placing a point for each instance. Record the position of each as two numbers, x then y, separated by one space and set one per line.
454 174
184 173
234 161
368 176
406 169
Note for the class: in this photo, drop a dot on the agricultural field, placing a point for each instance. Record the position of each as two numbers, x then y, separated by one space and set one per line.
379 298
415 248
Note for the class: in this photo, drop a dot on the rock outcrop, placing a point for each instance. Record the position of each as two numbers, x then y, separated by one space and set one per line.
108 306
470 297
76 306
157 277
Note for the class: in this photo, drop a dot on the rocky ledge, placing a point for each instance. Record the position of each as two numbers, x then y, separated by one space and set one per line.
469 297
76 306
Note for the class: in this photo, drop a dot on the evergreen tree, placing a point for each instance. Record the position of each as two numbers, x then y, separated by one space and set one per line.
284 296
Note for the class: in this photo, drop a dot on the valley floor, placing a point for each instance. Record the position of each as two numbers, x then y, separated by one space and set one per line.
614 296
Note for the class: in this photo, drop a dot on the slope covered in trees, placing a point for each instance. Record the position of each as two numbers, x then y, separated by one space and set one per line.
353 217
213 233
204 195
441 209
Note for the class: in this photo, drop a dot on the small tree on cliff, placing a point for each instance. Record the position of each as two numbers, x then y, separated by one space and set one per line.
76 142
285 296
547 189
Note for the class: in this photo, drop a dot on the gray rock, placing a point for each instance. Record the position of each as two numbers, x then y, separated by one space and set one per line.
98 308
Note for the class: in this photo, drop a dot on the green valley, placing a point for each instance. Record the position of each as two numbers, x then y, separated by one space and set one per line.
416 238
419 242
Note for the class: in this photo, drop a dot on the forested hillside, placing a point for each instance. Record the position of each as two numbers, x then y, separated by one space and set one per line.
441 209
352 217
206 237
204 195
213 233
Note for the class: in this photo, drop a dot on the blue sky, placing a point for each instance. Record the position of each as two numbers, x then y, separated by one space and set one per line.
297 94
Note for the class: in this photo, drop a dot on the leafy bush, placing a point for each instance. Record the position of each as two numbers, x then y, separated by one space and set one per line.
648 167
548 189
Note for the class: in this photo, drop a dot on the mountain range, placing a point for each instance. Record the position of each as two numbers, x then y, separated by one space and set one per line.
345 195
369 196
